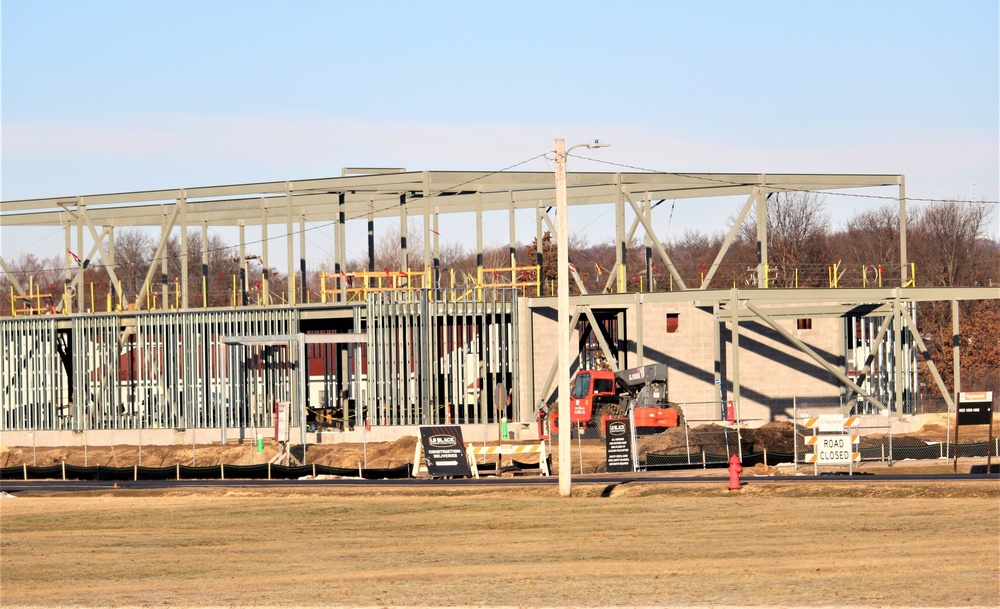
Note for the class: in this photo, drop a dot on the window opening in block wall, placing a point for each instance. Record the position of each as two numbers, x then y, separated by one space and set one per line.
804 324
673 321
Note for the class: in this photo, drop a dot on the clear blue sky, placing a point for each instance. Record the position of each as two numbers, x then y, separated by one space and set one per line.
104 96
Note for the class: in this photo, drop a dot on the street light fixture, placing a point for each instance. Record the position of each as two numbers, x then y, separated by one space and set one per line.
562 317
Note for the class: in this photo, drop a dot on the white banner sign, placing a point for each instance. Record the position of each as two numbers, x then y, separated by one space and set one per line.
830 423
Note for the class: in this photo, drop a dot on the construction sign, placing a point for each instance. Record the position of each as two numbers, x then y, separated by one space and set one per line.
444 451
975 408
832 446
833 450
619 445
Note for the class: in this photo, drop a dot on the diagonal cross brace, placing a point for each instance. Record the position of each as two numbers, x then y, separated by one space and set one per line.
729 238
871 358
656 241
927 357
808 351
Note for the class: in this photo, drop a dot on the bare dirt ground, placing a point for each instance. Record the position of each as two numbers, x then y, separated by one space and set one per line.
864 544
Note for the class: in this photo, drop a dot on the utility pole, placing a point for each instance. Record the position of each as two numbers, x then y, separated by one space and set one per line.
562 315
562 321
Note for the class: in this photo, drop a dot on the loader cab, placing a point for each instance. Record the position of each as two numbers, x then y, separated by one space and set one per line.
590 387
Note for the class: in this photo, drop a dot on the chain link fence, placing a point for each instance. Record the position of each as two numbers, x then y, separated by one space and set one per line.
710 442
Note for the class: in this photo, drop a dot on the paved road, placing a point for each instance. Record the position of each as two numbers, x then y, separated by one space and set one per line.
22 487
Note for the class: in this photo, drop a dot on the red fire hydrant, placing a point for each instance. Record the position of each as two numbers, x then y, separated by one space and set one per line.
735 469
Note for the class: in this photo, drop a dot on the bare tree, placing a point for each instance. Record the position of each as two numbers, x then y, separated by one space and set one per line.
134 249
388 253
872 237
694 253
222 268
797 231
949 242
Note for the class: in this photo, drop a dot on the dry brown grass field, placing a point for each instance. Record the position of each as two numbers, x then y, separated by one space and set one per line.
857 544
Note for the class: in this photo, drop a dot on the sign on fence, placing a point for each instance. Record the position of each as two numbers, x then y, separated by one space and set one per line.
834 450
975 408
831 423
619 445
444 451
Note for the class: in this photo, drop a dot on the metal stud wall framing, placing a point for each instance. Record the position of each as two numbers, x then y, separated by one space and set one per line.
861 334
35 386
440 357
261 374
160 370
97 402
192 379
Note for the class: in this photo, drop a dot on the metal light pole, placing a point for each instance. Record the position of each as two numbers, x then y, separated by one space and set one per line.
562 317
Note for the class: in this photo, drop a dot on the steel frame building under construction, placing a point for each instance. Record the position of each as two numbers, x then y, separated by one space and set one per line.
382 358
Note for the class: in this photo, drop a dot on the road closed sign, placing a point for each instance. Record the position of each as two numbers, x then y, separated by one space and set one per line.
833 449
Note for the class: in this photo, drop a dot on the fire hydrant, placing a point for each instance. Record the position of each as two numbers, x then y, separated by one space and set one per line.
735 469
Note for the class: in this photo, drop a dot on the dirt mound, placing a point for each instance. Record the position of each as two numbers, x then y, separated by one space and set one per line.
922 422
897 441
774 437
717 440
934 430
713 439
379 455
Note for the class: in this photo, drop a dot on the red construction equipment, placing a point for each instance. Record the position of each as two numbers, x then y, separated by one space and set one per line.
599 395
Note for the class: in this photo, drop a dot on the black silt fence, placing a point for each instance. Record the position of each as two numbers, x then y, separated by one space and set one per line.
186 472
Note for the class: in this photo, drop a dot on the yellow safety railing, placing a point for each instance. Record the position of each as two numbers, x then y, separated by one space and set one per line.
517 277
356 286
32 301
912 283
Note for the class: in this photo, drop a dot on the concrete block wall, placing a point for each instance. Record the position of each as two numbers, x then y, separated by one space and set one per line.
772 370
